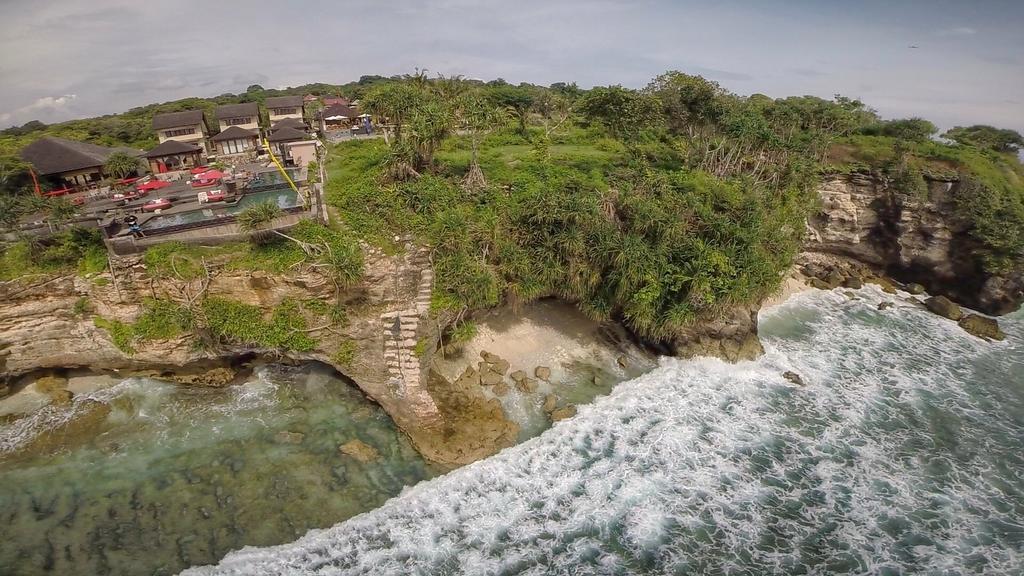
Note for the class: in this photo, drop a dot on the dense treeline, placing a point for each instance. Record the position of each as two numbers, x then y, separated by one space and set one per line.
655 206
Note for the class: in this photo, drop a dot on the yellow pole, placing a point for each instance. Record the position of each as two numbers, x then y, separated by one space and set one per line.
281 168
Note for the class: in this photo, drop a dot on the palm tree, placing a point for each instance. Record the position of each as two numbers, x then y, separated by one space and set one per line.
121 165
254 219
480 117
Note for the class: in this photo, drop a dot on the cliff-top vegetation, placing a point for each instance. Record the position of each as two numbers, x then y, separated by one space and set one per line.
655 207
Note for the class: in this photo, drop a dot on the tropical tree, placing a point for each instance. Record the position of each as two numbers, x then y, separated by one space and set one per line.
987 137
692 105
517 99
479 117
623 112
912 129
121 165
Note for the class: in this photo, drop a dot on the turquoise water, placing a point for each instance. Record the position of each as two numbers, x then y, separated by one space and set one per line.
282 197
150 478
902 454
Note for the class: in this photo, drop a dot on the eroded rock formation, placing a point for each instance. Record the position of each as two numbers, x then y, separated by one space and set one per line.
913 238
48 323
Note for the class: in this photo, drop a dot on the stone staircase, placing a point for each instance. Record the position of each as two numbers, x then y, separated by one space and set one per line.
400 328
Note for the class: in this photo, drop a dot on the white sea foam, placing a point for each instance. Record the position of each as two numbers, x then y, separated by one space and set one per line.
902 454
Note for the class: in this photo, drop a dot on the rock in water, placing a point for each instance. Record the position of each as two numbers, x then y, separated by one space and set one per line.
982 327
490 378
884 283
914 288
517 376
501 388
550 403
819 284
793 377
359 450
563 413
621 361
854 282
542 372
527 385
500 366
885 305
944 307
286 437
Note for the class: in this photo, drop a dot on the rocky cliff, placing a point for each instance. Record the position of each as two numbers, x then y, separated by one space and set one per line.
48 323
912 238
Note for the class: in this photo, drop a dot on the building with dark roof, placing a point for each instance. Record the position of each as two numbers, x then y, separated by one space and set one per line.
236 140
246 115
188 126
76 163
281 107
174 155
296 123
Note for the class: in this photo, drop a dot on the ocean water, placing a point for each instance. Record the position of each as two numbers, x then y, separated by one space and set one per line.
150 478
903 453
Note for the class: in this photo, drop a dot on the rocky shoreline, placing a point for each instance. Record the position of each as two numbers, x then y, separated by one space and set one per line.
455 409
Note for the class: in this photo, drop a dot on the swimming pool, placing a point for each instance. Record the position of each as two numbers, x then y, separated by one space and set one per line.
282 197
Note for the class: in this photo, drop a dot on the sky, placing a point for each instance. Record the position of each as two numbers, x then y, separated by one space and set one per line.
64 59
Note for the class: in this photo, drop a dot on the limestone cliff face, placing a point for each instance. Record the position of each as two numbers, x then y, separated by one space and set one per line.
912 239
387 315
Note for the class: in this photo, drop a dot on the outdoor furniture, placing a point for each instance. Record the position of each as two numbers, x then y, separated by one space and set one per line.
152 185
156 204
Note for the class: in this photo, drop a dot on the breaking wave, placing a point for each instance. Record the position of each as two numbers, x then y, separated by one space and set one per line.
902 453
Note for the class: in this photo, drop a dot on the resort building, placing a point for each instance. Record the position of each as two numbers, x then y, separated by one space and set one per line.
339 117
335 101
236 140
75 163
281 107
246 116
295 123
281 138
189 127
174 155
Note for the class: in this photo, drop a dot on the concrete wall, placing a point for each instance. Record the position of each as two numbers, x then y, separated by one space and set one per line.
209 236
302 152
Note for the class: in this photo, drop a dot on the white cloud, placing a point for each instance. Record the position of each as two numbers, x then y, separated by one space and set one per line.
46 104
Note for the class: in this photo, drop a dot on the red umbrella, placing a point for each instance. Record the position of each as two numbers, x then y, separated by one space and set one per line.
153 185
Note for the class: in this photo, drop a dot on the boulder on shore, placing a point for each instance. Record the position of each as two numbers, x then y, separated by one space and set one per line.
944 307
914 288
542 372
982 327
517 376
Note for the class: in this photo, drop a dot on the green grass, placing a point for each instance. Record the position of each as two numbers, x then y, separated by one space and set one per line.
68 251
238 323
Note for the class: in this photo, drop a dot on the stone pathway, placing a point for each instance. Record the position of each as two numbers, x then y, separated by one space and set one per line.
400 328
